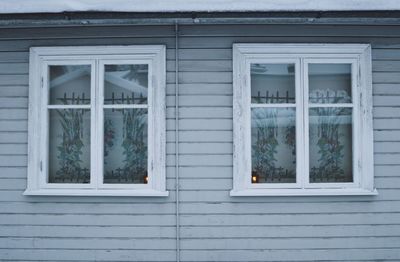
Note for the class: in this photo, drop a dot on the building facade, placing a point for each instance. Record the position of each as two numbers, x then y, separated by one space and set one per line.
196 217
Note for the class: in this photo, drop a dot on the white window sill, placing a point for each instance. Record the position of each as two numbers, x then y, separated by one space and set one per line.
305 192
91 192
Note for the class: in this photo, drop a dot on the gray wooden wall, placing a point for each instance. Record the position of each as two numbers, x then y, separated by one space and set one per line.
214 226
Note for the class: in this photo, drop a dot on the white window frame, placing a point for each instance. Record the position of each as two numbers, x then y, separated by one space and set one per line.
359 55
97 57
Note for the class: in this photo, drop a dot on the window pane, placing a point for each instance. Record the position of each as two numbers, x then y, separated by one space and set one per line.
125 146
273 145
69 146
329 83
125 84
69 84
331 145
272 83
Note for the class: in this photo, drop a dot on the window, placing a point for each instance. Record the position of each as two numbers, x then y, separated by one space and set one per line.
302 119
97 121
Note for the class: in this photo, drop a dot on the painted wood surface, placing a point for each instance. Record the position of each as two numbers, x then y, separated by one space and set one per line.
214 226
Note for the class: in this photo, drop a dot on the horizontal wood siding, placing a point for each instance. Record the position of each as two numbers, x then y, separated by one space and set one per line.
214 226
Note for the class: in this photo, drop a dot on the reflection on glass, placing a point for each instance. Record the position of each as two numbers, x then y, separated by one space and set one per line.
125 84
69 84
272 83
329 83
125 146
330 145
273 145
69 146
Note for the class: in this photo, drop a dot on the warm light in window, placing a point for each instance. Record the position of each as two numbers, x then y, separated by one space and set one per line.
254 178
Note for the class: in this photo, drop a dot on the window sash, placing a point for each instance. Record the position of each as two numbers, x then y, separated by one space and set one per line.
298 125
45 111
100 119
355 120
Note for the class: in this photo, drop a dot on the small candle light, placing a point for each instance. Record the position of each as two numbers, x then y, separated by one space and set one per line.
145 179
254 177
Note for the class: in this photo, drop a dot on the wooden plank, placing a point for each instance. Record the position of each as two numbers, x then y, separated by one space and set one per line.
201 136
13 160
88 243
292 243
13 149
386 124
205 124
289 219
25 44
205 232
13 172
16 114
385 77
387 147
88 255
227 41
137 232
13 137
386 135
196 148
386 89
386 65
291 30
14 68
387 111
14 91
82 219
205 100
200 112
201 89
292 255
13 102
87 32
13 125
11 80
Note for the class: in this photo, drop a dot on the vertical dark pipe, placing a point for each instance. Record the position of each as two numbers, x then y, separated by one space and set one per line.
177 141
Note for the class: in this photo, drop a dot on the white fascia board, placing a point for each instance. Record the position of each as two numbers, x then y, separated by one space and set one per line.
50 6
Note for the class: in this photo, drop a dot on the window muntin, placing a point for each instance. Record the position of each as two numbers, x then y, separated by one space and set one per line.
328 122
71 114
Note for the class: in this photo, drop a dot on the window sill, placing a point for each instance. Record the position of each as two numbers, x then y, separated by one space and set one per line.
305 192
91 192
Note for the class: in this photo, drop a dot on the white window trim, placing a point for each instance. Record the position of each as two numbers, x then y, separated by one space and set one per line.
97 56
360 57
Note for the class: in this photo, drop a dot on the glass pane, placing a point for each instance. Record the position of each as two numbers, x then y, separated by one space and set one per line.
329 83
272 83
69 146
69 84
331 145
125 146
273 145
125 84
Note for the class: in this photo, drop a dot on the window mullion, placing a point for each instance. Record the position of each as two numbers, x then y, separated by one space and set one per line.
305 122
95 127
